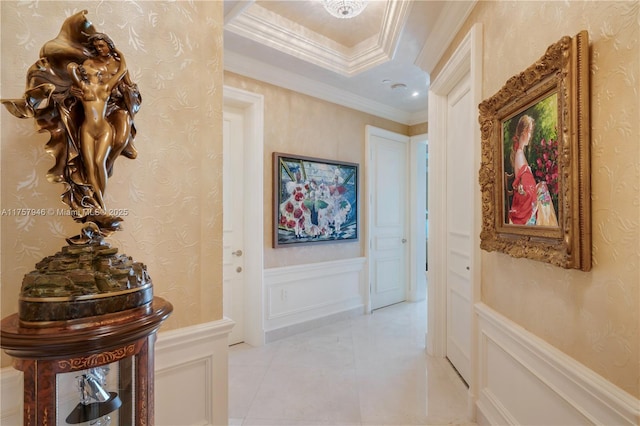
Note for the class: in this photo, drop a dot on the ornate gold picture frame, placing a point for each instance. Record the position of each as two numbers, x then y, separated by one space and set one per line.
535 174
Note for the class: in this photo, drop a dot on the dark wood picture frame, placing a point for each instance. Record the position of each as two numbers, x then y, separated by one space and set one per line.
314 201
536 200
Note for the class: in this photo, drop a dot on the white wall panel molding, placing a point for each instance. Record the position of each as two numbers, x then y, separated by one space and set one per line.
191 381
299 294
524 380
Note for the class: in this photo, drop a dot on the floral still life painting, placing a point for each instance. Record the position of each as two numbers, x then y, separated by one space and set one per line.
315 200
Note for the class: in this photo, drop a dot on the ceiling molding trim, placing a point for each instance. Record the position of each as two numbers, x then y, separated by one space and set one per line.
395 19
258 70
453 16
366 58
270 29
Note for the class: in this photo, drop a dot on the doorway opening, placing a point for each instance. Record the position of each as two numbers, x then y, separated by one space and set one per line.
250 109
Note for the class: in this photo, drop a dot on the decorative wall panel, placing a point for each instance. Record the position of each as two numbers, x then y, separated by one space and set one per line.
553 389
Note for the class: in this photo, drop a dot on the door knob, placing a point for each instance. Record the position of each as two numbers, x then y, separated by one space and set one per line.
239 269
237 253
404 240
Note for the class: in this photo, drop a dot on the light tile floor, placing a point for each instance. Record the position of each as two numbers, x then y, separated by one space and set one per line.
371 370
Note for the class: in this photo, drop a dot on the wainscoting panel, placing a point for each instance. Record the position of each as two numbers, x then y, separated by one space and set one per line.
525 381
191 375
304 294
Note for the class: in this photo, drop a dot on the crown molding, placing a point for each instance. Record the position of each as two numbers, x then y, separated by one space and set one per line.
453 16
394 21
252 68
270 29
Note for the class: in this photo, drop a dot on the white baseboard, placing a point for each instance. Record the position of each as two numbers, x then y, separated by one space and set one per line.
300 296
524 380
191 375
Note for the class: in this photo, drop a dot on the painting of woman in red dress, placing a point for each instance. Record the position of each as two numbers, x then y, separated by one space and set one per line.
524 202
534 184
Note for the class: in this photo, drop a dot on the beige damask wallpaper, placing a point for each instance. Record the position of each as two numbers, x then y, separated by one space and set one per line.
593 317
171 192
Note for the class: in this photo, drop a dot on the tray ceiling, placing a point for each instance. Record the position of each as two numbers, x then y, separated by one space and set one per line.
373 62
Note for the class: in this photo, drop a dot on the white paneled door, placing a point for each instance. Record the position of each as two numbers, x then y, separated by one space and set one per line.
388 187
459 221
233 213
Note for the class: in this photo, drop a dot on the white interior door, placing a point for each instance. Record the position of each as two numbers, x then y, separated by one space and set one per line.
388 186
233 212
459 194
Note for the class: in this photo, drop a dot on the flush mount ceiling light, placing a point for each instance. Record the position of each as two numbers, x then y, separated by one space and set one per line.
344 8
398 86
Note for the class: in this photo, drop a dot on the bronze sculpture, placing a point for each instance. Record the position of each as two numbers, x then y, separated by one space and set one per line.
79 91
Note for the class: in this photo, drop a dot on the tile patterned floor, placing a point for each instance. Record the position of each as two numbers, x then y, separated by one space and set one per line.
371 370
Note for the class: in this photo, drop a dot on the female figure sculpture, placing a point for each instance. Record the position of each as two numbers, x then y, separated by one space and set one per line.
124 100
96 133
87 109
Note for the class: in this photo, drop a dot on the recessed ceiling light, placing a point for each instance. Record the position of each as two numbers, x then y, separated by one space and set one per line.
398 86
386 81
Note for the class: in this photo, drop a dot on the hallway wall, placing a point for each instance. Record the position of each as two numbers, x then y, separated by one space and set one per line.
295 123
591 316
